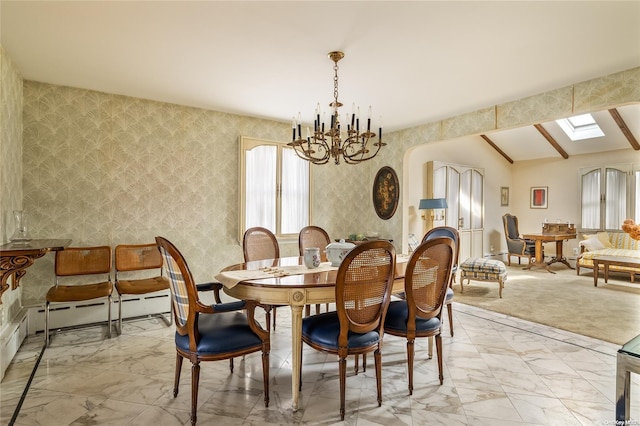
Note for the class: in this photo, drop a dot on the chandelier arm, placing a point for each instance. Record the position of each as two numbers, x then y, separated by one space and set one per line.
361 154
319 145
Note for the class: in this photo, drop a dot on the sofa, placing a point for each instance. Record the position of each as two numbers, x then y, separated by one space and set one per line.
618 244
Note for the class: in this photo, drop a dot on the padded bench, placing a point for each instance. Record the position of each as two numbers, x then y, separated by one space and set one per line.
476 268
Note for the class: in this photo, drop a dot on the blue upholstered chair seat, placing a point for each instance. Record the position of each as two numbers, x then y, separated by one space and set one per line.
221 333
324 329
449 296
397 315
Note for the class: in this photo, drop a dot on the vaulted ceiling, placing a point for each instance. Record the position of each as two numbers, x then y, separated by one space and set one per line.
414 62
620 125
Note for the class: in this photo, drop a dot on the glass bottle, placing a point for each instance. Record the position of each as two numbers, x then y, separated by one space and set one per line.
21 233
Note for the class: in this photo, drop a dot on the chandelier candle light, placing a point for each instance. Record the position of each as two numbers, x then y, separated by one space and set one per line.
321 146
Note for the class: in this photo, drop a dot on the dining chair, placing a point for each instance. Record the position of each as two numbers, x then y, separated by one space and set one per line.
209 332
313 236
426 279
449 232
86 272
138 271
260 244
363 290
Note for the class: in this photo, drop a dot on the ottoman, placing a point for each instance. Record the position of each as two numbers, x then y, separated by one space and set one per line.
476 268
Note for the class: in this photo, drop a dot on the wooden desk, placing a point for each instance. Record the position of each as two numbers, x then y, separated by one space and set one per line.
295 291
545 237
16 257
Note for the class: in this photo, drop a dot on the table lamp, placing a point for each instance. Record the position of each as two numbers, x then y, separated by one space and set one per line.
432 204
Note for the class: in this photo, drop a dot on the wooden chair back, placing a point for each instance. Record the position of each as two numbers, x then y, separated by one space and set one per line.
312 236
137 257
363 289
446 231
183 289
427 277
259 244
74 261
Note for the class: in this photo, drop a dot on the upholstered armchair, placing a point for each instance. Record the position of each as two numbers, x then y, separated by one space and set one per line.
517 245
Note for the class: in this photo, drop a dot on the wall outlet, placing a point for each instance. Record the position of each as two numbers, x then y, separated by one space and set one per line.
491 249
576 251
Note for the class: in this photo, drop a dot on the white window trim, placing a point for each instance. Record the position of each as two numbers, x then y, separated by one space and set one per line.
248 143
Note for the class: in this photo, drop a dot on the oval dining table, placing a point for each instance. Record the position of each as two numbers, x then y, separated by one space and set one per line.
289 282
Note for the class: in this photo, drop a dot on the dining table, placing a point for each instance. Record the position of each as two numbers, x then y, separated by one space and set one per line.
287 281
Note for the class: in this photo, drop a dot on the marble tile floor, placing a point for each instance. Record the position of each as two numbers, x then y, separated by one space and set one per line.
499 370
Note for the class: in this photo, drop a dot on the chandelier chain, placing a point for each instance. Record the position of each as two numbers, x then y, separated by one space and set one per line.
335 84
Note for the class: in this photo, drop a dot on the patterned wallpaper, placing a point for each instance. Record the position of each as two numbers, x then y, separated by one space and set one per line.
108 169
10 164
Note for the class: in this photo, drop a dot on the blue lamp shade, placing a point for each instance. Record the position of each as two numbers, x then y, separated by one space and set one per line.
432 204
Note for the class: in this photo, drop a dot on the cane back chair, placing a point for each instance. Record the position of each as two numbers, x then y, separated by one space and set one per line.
313 236
89 264
260 244
426 280
138 272
363 290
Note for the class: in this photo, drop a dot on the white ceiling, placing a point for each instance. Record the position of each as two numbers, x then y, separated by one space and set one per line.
414 62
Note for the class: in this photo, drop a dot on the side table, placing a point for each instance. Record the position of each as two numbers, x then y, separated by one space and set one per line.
628 361
16 257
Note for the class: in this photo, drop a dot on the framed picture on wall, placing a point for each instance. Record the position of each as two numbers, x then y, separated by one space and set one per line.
539 195
386 191
504 196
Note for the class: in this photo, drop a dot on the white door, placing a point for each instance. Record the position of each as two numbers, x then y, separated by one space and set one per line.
463 187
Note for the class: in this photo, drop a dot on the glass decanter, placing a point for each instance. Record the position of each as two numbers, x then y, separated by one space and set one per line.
21 233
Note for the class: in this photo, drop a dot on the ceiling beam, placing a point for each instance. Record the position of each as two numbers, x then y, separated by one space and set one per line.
625 130
551 140
501 152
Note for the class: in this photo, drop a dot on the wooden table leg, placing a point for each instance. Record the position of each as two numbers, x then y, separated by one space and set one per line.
559 257
539 258
296 353
596 270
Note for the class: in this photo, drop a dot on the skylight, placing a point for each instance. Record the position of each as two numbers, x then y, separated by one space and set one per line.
580 127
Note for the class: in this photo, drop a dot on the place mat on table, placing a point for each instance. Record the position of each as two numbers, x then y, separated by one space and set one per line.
230 278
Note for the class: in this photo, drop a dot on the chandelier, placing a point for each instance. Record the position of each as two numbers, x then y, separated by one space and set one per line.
353 145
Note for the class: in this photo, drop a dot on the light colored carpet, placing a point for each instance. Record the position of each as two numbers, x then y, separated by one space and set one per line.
609 312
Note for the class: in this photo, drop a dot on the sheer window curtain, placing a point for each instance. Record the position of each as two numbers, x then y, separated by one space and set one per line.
476 206
606 197
284 213
616 198
636 176
591 200
295 192
260 193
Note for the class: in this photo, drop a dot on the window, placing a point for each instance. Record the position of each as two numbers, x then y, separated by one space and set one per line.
274 187
609 196
580 127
